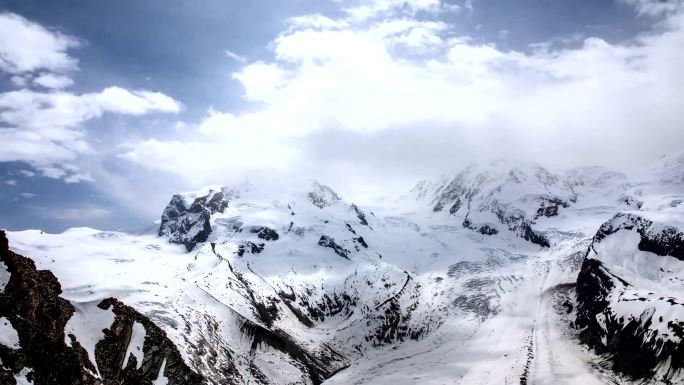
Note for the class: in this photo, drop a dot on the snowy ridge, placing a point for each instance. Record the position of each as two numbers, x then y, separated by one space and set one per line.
497 198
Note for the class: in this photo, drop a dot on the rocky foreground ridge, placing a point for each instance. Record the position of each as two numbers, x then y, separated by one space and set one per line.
34 318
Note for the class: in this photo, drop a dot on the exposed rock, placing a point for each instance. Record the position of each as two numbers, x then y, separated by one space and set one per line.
360 215
317 368
32 304
623 321
157 348
249 247
484 229
522 227
661 240
361 242
189 223
265 233
327 241
549 206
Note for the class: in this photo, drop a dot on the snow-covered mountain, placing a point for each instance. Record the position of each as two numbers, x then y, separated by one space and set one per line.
469 279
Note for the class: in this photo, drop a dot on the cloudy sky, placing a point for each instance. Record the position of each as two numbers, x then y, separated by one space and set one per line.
108 108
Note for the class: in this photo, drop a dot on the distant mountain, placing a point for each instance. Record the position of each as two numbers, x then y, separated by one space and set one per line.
496 274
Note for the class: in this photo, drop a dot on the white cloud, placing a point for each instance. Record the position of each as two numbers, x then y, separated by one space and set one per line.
371 9
655 7
44 128
48 80
264 80
222 145
79 177
52 172
373 80
316 21
30 47
122 101
236 57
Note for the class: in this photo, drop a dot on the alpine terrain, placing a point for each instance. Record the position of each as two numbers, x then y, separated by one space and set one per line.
497 274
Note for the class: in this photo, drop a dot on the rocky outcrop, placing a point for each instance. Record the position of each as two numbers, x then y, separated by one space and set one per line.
322 196
360 214
620 314
32 304
265 233
187 219
329 242
157 351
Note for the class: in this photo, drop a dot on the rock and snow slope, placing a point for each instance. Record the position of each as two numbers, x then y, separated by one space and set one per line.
55 341
630 296
469 279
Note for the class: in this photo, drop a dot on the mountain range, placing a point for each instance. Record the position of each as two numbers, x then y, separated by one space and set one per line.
497 274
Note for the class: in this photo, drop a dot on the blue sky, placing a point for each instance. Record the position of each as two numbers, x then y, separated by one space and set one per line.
108 108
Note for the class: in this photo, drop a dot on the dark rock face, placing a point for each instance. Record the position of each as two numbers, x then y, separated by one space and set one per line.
110 352
32 304
327 241
484 229
361 242
522 227
633 344
318 369
192 225
249 247
393 318
265 233
331 305
549 206
360 214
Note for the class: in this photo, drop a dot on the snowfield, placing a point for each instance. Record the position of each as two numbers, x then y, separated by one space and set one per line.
468 279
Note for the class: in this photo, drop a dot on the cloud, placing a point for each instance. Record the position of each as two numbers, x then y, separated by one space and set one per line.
48 80
42 124
221 144
419 93
366 10
236 57
655 7
31 47
44 128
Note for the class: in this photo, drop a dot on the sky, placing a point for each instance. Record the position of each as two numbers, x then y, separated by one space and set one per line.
109 108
